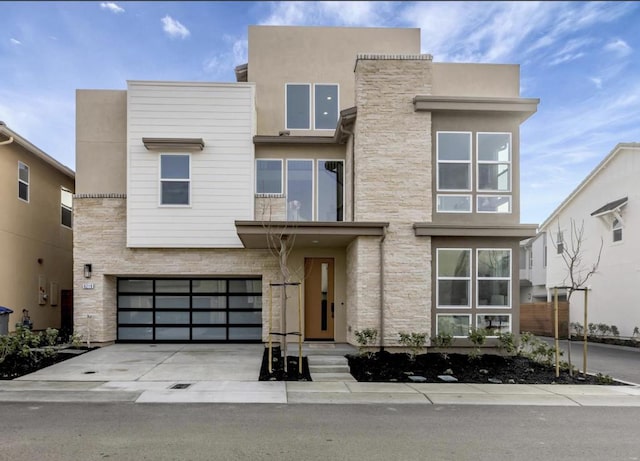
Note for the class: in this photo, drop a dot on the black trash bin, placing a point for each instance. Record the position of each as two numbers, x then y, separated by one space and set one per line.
4 320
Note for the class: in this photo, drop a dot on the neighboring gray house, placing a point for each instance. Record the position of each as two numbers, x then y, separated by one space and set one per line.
393 178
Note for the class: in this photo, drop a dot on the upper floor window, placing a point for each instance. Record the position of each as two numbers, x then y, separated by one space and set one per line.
559 243
616 227
315 190
23 181
66 207
454 172
299 106
175 179
269 176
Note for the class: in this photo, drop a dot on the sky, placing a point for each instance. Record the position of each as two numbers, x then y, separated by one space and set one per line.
580 58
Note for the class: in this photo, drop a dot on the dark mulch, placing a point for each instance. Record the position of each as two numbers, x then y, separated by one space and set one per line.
387 367
14 367
277 373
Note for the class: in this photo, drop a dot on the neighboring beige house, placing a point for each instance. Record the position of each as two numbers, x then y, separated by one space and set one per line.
392 179
36 237
605 203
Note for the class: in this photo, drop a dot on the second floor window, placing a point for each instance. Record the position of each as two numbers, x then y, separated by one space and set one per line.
66 207
23 181
307 109
268 176
616 227
175 179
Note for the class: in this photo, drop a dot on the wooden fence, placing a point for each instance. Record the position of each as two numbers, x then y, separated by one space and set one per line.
538 318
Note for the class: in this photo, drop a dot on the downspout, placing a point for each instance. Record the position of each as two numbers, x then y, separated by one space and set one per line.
382 239
8 141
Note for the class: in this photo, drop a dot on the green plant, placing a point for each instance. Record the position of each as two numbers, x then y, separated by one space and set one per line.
636 332
507 342
414 341
536 349
593 328
366 338
443 340
577 328
614 331
24 351
477 336
76 340
604 379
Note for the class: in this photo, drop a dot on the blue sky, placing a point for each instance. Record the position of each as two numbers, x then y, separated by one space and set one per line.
580 58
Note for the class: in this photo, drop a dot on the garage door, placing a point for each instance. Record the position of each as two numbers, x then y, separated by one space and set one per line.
190 310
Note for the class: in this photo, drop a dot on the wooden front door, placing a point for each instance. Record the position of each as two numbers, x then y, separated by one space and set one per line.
318 299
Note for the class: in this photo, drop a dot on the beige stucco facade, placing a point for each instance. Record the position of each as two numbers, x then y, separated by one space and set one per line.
36 248
393 102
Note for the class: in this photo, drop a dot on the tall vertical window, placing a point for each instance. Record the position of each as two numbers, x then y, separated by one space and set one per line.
325 106
454 171
559 243
268 176
616 227
454 277
300 190
494 172
330 190
66 207
298 106
23 181
494 277
175 179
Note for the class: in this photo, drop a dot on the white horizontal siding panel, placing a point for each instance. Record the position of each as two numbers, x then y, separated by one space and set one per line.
222 174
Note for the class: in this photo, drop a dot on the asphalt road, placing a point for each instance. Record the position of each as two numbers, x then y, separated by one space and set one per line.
618 362
315 432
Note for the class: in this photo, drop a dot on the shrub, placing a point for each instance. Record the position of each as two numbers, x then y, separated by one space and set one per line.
366 338
577 328
507 342
478 337
25 351
443 340
414 341
614 331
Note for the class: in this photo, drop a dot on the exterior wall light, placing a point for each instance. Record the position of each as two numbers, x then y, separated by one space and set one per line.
87 271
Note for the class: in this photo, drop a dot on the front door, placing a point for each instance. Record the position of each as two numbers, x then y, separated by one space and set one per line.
318 299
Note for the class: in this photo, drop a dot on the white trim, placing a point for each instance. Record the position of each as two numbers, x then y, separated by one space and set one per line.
317 192
469 162
494 162
509 279
493 212
454 195
469 279
454 314
269 194
496 313
27 182
313 109
286 106
63 206
313 186
618 227
161 180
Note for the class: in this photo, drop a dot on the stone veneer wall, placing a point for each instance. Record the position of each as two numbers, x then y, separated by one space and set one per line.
392 156
100 239
270 208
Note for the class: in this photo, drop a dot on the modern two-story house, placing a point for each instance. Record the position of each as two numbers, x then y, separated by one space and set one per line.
597 223
36 237
391 183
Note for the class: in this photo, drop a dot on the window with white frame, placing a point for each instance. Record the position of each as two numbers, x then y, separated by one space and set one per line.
66 207
559 243
493 277
616 228
454 277
494 324
175 179
300 190
456 325
453 152
494 172
23 181
302 105
269 176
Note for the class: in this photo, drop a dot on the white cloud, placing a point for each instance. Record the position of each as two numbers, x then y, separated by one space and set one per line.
342 13
15 41
597 81
112 6
619 47
220 64
174 28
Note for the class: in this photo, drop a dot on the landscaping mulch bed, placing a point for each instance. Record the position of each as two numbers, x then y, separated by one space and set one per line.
277 373
487 368
14 366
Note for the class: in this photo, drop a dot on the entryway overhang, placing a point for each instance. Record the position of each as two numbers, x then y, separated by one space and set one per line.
521 108
520 231
260 234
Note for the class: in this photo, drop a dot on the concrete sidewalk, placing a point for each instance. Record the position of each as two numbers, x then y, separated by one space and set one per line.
229 374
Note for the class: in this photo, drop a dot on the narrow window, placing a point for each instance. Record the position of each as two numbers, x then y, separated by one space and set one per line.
66 207
453 152
494 162
268 176
330 190
300 190
326 106
494 277
617 230
175 178
23 181
454 277
559 244
298 106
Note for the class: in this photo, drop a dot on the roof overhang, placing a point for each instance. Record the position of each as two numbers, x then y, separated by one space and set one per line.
267 234
522 108
519 231
611 207
173 143
341 135
241 72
